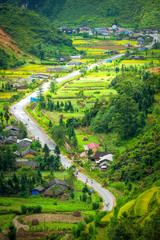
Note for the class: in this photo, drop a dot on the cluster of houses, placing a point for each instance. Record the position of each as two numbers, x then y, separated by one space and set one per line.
21 82
104 31
24 151
55 188
100 159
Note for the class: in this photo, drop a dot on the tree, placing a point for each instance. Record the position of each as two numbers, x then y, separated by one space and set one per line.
90 152
40 97
46 150
12 234
50 124
6 115
36 146
85 34
56 150
1 117
58 133
71 132
61 122
7 158
52 86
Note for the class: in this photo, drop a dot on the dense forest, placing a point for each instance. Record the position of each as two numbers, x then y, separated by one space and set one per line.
137 14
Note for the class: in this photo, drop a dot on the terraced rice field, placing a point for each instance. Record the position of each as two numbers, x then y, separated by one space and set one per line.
142 203
106 219
126 208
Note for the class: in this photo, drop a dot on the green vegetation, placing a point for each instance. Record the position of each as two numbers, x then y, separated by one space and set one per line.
33 34
125 13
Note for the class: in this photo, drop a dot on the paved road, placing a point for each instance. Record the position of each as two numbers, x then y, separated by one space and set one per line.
155 39
18 112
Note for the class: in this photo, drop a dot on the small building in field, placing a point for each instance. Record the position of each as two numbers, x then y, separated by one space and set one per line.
61 59
42 76
59 69
25 163
93 146
140 41
28 153
77 57
109 61
127 45
104 162
10 140
74 63
13 130
38 190
98 155
24 143
138 57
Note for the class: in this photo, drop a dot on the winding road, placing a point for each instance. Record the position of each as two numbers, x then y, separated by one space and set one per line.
19 113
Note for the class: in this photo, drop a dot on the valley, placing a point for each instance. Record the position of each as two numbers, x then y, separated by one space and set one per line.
79 120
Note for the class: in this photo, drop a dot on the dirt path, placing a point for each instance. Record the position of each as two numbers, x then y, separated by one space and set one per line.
18 225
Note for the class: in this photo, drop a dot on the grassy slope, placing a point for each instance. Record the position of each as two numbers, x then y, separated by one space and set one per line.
29 30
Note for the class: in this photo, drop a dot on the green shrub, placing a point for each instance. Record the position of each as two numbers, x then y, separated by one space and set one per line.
89 219
95 205
31 209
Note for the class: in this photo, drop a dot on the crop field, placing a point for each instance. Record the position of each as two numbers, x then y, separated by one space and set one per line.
6 95
13 204
68 218
50 226
97 47
94 86
54 211
26 71
131 62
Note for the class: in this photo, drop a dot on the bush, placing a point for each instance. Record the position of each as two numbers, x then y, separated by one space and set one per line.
31 209
89 219
23 209
98 218
78 229
95 205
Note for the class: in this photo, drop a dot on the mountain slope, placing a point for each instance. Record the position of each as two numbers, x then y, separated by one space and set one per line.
131 13
34 34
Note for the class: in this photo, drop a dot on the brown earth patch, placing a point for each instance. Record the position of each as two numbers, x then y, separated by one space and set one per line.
7 41
53 218
154 70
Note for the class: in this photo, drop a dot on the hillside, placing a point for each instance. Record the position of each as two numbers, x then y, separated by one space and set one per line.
136 14
137 219
32 34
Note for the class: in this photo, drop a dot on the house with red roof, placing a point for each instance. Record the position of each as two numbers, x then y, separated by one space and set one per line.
93 146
